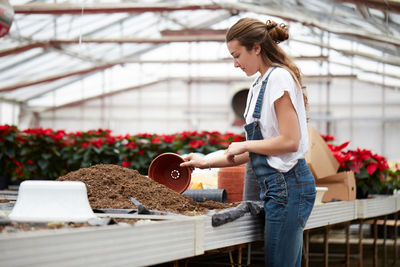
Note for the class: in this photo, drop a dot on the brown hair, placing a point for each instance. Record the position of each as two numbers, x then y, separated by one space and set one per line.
249 31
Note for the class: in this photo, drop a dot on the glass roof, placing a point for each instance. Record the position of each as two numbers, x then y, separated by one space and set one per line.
59 52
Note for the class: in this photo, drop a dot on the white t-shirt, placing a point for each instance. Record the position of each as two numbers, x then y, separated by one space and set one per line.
279 81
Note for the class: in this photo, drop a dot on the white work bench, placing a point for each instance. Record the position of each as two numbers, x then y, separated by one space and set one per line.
164 238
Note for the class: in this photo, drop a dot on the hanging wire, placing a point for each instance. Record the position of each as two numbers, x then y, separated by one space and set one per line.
383 143
321 63
328 89
352 93
80 27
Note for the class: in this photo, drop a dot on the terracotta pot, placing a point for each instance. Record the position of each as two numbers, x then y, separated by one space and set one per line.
165 170
231 179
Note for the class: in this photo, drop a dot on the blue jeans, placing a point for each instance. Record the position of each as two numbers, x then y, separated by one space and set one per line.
251 190
288 200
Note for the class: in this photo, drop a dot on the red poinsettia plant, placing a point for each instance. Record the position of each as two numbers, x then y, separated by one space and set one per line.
371 170
47 153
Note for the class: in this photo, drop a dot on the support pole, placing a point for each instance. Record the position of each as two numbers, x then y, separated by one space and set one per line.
384 241
375 245
306 248
240 255
326 246
231 258
248 253
347 227
360 244
395 239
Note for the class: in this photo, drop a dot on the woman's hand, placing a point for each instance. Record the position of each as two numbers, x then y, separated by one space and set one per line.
235 148
195 161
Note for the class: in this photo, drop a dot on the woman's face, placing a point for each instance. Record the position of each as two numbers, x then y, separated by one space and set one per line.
248 61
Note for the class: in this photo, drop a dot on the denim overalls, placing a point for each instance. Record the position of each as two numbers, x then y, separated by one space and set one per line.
288 200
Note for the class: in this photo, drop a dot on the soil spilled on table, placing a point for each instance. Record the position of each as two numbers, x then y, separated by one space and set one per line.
111 186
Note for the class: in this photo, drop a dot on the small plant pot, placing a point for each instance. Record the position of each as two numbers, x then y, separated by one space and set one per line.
231 179
165 169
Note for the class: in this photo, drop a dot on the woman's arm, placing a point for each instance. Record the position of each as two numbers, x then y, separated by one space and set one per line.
219 161
286 142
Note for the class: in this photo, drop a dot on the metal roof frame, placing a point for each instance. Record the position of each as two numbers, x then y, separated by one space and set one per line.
339 19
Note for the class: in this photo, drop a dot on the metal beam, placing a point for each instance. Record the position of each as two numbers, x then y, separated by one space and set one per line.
57 43
308 19
203 25
215 37
23 48
111 64
392 60
212 37
273 10
363 11
222 60
207 36
308 78
193 32
385 5
163 40
135 87
192 80
78 9
360 68
56 77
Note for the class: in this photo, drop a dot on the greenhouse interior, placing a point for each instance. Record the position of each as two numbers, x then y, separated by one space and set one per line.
101 101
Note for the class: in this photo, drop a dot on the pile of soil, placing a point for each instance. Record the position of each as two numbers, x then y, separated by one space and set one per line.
111 186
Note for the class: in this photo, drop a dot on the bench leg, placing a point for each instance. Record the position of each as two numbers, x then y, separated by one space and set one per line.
326 246
375 259
384 241
306 248
347 244
360 244
395 240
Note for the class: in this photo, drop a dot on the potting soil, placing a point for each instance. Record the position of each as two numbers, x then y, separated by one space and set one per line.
111 186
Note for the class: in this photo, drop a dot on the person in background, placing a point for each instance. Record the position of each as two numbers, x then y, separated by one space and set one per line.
276 137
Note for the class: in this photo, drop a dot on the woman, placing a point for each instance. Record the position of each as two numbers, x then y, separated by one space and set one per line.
276 132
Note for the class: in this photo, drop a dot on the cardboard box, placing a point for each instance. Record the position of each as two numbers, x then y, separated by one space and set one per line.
341 186
319 157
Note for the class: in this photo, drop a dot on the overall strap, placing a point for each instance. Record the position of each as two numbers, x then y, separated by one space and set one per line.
251 97
257 109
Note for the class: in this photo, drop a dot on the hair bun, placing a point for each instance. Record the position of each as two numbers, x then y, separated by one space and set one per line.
270 24
278 33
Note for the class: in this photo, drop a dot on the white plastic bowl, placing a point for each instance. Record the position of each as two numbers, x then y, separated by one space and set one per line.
320 193
55 201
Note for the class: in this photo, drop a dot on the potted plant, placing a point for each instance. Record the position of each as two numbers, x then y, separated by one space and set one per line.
370 170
